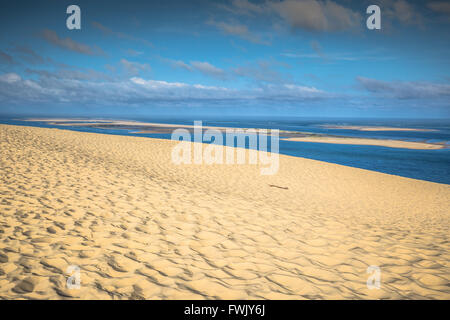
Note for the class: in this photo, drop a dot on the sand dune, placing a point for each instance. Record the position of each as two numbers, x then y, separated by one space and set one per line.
140 227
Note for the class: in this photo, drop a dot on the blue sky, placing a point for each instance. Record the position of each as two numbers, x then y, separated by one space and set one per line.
308 58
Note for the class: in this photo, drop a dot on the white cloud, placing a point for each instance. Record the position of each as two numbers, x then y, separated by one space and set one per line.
69 44
120 35
203 67
316 15
238 29
405 89
440 7
134 68
208 69
10 77
262 71
400 11
245 7
181 64
134 53
311 15
155 84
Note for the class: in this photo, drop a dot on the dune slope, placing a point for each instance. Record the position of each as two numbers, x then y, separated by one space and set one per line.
141 227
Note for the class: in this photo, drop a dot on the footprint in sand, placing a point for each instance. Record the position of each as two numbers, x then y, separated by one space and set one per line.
27 285
3 258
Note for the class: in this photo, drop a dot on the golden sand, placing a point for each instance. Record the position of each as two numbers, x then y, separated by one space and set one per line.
140 227
370 142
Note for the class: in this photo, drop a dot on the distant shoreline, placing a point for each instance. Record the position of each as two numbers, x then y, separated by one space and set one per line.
374 128
166 128
371 142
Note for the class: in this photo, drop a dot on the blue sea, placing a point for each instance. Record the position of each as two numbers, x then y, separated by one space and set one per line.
430 165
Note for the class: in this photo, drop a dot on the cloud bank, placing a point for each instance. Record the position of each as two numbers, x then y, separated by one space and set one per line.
404 89
15 89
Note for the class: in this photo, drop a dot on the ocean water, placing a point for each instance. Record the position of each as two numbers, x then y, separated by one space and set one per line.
430 165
